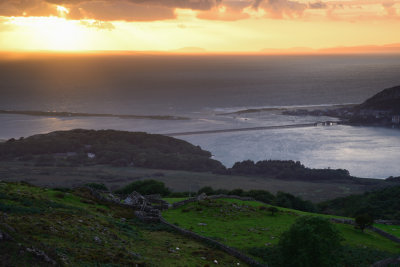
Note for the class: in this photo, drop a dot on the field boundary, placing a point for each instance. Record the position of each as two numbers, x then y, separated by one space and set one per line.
373 228
194 199
336 220
227 249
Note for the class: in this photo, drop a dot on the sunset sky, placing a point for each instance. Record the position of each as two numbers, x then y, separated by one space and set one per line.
213 25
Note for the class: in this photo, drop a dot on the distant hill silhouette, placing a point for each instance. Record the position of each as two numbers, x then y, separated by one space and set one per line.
365 49
386 100
117 148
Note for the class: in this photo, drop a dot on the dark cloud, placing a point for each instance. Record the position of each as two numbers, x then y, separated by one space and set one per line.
390 9
152 10
257 3
187 4
129 10
25 8
317 5
119 10
280 9
231 11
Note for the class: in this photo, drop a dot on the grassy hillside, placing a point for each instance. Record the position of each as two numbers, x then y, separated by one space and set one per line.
250 227
380 204
72 228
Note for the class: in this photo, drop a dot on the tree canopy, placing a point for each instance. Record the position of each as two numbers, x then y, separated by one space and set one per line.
310 241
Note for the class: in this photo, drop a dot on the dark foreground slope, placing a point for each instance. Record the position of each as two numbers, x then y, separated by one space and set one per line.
117 148
43 227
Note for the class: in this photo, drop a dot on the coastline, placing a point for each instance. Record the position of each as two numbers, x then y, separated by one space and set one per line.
76 114
288 108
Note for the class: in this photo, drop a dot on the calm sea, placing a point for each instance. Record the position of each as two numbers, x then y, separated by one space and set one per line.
201 88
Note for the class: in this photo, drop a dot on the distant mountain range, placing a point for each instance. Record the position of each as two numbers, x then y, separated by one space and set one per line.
378 49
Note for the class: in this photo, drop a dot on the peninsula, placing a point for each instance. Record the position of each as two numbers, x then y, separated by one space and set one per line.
382 109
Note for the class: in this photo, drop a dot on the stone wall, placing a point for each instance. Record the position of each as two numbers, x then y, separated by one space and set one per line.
388 222
386 234
387 262
373 228
216 244
194 199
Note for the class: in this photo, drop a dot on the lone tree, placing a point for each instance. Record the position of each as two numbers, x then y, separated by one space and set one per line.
273 210
310 241
363 221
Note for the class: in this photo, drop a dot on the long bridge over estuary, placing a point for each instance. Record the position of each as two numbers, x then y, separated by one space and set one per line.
300 125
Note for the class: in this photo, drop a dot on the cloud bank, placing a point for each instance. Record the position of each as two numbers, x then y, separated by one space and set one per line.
229 10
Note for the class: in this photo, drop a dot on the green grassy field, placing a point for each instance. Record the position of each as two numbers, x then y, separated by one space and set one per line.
391 229
74 229
172 200
248 224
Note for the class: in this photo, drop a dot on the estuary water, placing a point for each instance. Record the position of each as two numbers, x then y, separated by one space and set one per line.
208 90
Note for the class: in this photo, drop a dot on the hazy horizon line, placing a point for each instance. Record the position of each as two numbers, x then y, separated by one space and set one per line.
393 48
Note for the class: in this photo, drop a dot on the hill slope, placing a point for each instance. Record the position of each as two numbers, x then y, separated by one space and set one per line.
381 204
41 227
386 100
250 227
117 148
377 110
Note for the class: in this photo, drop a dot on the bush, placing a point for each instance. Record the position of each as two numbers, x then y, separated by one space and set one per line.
273 210
97 186
363 221
310 241
236 192
261 195
287 200
59 195
286 170
146 187
208 190
62 189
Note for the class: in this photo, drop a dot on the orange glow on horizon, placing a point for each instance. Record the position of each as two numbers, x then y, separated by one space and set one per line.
50 33
254 33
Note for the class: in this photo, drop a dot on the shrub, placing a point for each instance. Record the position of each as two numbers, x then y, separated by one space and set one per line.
59 195
97 186
363 220
287 200
208 190
146 187
236 192
273 210
310 241
261 195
